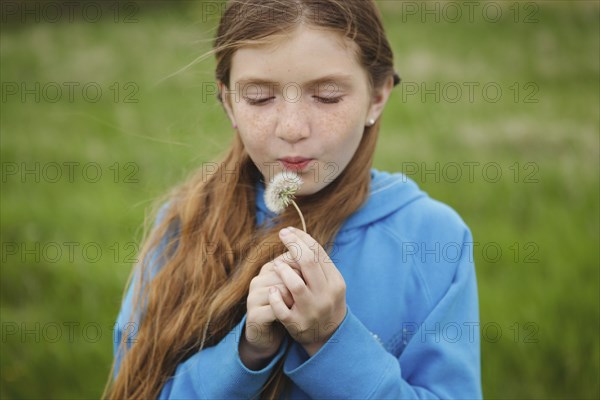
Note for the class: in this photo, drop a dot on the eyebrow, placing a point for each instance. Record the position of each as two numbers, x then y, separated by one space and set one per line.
344 81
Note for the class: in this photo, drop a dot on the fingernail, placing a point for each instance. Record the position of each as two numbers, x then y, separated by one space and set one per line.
272 290
285 231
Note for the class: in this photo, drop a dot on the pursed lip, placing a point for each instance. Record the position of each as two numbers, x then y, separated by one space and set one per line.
295 160
296 164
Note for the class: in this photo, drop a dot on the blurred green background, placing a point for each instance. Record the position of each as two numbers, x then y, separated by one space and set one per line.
497 115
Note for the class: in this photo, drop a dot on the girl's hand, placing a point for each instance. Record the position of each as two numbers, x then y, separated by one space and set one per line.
319 299
263 334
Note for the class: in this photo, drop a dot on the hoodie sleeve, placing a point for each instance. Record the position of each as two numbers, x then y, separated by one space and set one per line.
215 372
353 364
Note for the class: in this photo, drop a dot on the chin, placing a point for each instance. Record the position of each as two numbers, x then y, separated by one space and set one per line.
307 190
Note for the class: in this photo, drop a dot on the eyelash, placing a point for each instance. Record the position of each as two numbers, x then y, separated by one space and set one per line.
259 102
329 100
324 100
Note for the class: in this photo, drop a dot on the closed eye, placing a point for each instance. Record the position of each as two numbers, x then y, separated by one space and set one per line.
328 100
258 102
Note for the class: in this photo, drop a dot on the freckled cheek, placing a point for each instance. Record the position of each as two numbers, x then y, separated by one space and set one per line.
254 128
339 126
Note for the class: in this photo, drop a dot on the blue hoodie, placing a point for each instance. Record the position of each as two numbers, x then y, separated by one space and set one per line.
412 324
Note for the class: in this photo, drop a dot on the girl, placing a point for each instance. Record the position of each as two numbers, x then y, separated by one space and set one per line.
377 299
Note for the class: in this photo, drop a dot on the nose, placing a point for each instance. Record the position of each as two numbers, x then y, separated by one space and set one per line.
292 122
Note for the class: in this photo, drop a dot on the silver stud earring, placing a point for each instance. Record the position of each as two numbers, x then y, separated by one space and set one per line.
370 122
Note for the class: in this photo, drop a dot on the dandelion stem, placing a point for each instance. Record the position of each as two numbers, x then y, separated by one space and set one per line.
301 216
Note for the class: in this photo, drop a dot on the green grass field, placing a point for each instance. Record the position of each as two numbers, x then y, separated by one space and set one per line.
497 116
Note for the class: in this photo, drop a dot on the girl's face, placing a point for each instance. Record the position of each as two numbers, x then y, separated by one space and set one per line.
302 104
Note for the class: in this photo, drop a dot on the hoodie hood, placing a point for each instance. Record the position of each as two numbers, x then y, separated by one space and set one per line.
389 192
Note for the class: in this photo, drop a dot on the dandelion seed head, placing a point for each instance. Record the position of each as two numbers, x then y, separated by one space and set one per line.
281 189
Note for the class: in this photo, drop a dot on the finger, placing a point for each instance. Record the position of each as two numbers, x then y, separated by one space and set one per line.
264 280
290 260
268 277
304 256
292 281
259 296
320 255
278 307
261 315
288 299
266 268
258 291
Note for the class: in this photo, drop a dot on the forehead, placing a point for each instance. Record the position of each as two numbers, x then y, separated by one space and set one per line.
301 55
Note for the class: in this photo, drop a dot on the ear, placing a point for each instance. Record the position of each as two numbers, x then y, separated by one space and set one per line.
379 100
226 102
